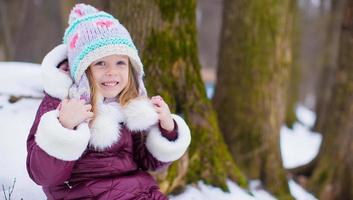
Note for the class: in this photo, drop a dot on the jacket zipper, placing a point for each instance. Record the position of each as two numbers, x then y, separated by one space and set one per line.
68 184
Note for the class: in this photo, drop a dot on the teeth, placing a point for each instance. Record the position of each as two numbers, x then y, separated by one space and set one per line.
110 83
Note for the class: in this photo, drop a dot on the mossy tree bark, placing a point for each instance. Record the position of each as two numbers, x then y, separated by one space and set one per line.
165 34
333 177
250 97
165 31
329 63
327 75
293 89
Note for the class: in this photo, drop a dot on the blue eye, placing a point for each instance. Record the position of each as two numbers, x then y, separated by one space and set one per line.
101 63
121 63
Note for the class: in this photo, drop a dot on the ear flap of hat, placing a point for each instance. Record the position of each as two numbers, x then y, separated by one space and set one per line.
55 82
81 90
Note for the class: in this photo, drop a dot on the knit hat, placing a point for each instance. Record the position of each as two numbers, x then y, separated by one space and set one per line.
94 34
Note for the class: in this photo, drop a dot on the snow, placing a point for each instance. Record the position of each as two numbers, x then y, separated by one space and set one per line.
20 79
209 90
16 119
298 192
300 145
305 116
206 192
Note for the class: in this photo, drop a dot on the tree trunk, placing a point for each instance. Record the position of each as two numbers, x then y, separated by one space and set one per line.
165 34
293 89
3 49
329 63
251 92
333 177
9 25
28 36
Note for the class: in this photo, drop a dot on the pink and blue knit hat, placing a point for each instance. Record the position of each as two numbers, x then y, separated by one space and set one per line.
91 35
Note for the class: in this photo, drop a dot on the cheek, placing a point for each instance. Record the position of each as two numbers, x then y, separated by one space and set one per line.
125 74
96 75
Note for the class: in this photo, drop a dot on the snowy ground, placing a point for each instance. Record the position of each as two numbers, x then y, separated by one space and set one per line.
298 146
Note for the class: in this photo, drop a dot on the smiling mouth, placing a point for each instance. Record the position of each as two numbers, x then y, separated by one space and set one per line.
110 83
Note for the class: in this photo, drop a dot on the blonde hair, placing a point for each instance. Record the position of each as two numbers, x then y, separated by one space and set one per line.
131 90
128 93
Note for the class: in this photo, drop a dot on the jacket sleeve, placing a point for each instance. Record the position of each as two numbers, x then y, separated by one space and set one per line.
142 156
51 148
157 147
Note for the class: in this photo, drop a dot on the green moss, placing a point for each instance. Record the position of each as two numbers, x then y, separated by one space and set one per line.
323 176
250 89
170 54
171 8
213 162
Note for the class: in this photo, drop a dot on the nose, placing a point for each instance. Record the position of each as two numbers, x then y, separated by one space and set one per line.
111 70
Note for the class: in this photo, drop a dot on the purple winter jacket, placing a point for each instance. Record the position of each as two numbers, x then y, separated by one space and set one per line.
116 173
106 161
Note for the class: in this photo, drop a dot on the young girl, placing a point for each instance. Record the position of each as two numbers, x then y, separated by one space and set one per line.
96 132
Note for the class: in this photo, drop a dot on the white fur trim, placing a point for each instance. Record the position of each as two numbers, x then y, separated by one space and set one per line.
140 114
105 130
165 150
58 141
55 83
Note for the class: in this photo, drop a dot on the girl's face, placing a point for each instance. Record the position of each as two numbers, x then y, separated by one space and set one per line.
111 74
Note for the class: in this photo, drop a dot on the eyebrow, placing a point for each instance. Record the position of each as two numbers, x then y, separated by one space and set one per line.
95 62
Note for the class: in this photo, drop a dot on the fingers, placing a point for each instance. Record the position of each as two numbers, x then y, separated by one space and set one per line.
157 100
64 100
87 107
81 101
59 106
76 106
158 109
63 103
74 101
156 103
87 111
89 116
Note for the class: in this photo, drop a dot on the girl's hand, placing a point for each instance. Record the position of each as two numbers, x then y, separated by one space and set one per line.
163 112
73 112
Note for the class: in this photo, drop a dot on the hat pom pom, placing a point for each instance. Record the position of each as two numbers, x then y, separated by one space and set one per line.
80 10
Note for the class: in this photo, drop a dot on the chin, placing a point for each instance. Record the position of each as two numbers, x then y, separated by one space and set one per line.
110 95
